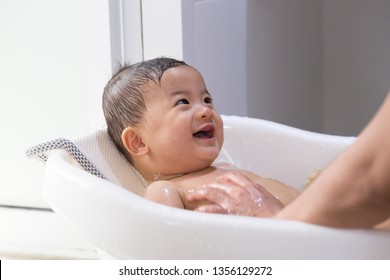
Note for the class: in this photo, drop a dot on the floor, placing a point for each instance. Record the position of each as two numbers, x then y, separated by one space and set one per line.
40 234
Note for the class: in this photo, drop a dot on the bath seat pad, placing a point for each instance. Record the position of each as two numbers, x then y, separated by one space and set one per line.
41 152
97 154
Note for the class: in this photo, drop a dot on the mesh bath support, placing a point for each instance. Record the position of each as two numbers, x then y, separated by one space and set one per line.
96 154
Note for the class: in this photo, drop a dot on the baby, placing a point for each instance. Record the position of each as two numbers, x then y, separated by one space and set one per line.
161 116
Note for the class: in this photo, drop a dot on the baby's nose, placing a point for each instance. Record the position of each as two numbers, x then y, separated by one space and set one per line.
204 111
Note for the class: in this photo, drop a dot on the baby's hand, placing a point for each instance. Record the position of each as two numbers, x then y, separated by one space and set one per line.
234 193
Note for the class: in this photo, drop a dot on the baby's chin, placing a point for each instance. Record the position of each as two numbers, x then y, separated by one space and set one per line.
199 166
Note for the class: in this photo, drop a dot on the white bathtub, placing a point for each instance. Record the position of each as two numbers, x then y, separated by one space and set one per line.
124 225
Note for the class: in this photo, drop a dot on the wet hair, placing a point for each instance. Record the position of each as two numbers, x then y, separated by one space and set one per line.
123 101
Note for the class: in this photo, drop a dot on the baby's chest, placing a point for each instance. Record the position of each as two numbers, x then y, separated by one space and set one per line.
201 178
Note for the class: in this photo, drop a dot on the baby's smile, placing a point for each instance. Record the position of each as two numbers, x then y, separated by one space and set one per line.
206 131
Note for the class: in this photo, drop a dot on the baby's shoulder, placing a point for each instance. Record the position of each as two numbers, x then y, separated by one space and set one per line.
161 184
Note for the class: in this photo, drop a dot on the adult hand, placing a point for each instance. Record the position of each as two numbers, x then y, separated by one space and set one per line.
234 193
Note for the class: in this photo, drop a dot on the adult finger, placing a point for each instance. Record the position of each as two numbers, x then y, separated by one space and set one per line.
212 208
255 190
215 194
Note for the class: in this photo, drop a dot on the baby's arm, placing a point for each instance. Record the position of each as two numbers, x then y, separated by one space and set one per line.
164 192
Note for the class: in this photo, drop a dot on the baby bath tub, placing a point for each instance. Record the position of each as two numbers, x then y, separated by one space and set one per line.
123 225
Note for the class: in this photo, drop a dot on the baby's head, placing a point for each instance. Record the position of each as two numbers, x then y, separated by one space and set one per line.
161 116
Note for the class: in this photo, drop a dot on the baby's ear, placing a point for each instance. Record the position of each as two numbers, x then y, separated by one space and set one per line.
133 142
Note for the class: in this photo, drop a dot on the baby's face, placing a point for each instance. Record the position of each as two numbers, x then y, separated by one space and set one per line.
183 130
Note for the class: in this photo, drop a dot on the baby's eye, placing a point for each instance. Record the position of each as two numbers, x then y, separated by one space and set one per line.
182 101
208 100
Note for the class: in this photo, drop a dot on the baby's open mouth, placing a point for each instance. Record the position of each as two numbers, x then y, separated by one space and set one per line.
206 132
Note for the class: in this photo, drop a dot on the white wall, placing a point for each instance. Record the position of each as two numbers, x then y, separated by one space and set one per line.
55 60
356 62
215 43
43 88
125 30
283 62
162 29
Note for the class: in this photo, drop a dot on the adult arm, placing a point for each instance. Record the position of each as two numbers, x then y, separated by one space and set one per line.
354 190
